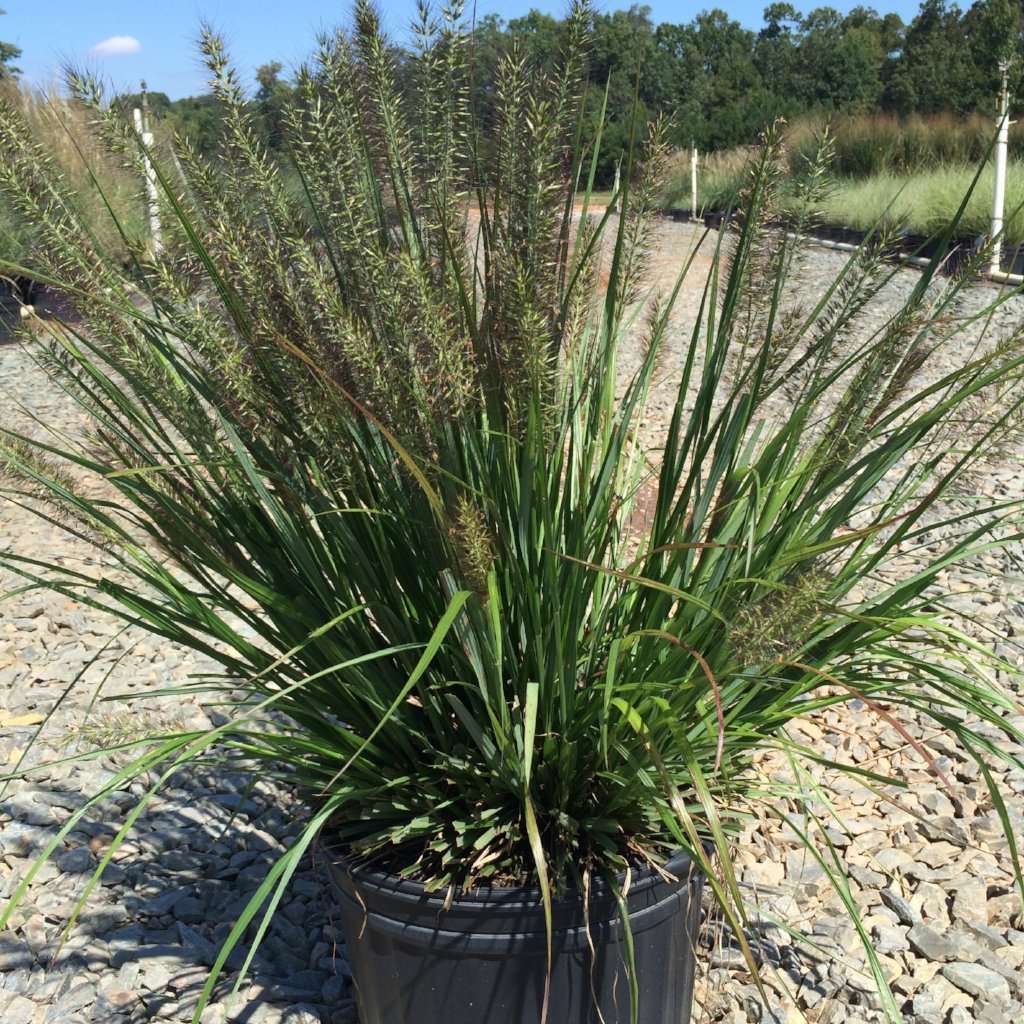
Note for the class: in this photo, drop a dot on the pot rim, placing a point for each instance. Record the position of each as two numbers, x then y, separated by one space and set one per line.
680 865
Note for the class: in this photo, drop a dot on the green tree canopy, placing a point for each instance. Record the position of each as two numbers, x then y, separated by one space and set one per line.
271 98
719 81
9 53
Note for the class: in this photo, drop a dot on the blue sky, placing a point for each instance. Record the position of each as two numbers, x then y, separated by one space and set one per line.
153 39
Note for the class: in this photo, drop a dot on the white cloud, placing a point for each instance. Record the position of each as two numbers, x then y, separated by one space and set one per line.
116 46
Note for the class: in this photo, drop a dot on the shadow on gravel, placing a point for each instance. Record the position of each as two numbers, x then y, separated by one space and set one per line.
8 322
150 931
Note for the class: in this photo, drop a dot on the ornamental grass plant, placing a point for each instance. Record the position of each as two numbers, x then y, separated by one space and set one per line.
62 127
365 446
871 144
923 202
926 201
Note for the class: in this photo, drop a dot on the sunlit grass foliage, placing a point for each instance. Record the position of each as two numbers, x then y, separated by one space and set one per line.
926 201
61 127
909 174
869 144
923 202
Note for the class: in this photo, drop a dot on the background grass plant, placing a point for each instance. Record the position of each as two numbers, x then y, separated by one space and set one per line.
926 201
61 127
364 447
870 144
923 202
909 173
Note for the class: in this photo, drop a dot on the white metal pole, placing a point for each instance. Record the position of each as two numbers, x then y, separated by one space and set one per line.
999 191
152 206
693 182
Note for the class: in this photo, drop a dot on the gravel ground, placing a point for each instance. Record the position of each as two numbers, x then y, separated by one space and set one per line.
930 873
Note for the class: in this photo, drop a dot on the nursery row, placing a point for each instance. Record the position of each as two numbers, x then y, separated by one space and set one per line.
922 202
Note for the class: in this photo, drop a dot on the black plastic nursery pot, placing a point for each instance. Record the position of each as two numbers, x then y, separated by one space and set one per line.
1013 259
850 236
484 958
913 245
23 289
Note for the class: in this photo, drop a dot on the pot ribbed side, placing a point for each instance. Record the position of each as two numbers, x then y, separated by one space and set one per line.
484 958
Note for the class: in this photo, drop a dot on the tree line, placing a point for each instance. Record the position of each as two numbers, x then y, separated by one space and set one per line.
9 53
721 82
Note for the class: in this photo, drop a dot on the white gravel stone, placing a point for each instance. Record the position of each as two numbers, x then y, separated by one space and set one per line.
17 1009
978 981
